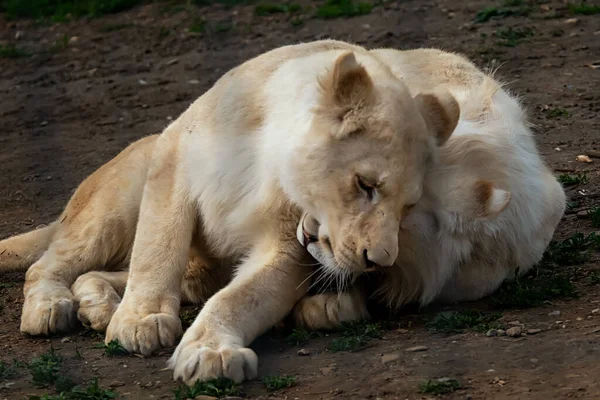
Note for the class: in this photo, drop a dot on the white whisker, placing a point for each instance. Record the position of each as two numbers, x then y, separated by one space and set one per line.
308 277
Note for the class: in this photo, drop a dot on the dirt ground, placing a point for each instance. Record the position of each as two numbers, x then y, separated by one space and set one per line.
90 87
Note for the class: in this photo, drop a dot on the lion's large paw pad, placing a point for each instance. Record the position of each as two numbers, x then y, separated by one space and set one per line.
48 311
192 362
143 335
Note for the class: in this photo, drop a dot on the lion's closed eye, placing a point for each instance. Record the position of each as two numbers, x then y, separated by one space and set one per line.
366 187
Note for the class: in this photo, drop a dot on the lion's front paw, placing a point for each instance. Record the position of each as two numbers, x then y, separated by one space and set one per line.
96 316
328 311
204 359
143 334
97 299
48 308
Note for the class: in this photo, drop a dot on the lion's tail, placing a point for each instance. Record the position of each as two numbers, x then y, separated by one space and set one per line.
17 253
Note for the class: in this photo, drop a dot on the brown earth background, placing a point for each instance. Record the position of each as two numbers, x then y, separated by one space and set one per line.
87 87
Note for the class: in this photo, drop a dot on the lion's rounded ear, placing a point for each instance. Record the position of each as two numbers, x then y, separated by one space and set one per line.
441 111
346 89
490 199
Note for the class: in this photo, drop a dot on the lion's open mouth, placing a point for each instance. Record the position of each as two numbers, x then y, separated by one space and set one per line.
308 238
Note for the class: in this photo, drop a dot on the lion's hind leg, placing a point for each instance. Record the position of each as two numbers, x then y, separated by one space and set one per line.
99 293
94 232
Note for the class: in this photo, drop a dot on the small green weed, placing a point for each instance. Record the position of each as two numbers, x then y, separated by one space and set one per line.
366 329
343 8
10 51
273 383
526 292
188 317
437 387
114 27
10 370
457 322
546 281
352 343
44 369
61 10
355 335
595 278
217 388
510 9
264 9
5 285
113 349
78 353
594 215
300 336
61 43
223 26
226 3
557 113
573 250
512 37
198 26
572 180
91 392
163 32
64 384
584 9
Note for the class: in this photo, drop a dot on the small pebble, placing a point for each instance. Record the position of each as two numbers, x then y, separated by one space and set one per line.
515 331
583 158
501 332
596 311
303 352
388 358
515 323
65 339
554 313
415 349
491 333
583 214
533 331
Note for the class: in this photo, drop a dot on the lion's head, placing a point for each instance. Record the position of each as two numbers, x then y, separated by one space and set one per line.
362 165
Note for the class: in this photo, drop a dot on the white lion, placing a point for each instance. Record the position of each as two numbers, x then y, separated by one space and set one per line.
326 140
299 128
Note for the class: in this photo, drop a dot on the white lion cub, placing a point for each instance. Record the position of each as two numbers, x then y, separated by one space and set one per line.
490 204
299 128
